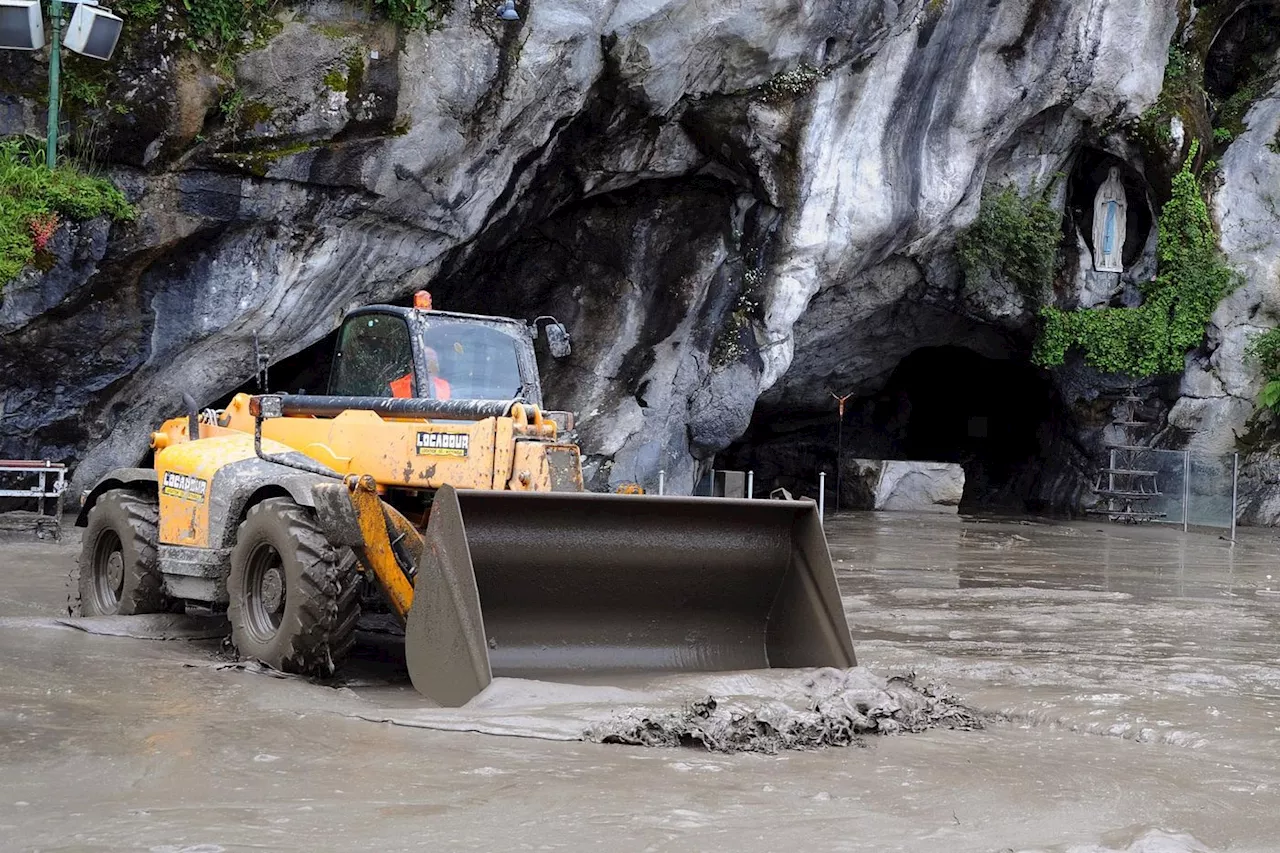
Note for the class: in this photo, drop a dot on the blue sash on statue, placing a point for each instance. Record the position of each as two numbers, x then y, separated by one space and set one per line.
1109 230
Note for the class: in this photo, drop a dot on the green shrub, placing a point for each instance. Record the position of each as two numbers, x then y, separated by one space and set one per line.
1153 338
31 194
220 23
414 14
1015 237
1264 350
1183 88
141 11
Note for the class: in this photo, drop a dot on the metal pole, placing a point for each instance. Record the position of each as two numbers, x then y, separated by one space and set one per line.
662 482
1186 487
839 454
822 495
1235 485
840 401
751 484
55 56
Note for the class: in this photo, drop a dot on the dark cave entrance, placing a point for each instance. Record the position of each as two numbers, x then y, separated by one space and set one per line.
1087 175
304 372
993 417
1000 419
1241 60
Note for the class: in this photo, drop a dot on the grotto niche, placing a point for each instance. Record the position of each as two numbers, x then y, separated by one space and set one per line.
1090 171
1000 418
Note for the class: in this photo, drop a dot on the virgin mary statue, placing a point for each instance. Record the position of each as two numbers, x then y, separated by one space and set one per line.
1109 209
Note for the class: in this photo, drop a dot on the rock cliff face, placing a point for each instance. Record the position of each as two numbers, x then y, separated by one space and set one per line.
736 207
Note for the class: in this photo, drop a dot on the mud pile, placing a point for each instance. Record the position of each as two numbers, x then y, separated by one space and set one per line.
764 711
835 708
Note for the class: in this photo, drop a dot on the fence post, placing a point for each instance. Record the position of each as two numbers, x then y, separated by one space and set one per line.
1186 488
662 482
822 495
1235 483
751 484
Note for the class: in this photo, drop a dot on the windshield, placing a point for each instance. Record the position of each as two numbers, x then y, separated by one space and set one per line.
466 361
374 358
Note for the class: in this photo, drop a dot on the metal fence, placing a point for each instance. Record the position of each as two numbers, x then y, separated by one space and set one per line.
1190 489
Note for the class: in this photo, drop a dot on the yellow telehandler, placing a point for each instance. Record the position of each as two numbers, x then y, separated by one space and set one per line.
431 470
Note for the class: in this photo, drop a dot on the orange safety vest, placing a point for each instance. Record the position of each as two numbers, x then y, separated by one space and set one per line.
403 387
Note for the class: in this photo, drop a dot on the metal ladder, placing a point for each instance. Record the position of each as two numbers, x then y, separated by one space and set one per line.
1124 485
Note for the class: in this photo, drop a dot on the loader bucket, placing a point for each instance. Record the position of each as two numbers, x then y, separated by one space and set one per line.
582 586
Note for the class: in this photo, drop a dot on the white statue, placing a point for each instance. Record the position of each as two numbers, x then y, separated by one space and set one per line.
1109 208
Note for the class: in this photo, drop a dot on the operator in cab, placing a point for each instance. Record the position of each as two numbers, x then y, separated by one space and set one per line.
438 387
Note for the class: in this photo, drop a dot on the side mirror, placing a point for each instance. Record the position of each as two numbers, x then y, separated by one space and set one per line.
558 340
557 336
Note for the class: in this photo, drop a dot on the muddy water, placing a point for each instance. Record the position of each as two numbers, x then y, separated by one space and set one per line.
1132 676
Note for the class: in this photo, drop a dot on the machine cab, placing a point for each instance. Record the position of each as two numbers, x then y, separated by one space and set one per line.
386 351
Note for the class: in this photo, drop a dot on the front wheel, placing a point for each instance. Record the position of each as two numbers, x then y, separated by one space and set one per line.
294 602
117 573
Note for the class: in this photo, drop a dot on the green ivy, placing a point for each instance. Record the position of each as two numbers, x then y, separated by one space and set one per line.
1264 350
222 23
31 193
414 14
140 11
1015 237
1183 87
1153 338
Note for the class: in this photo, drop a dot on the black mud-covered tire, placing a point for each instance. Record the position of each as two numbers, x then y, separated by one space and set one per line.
118 573
294 599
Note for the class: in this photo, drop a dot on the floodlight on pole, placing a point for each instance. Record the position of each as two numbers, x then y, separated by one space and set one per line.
21 25
92 31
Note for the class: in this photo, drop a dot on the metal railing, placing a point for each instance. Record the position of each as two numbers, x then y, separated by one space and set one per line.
50 482
1190 489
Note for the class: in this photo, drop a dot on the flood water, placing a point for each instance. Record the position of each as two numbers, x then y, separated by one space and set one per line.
1129 676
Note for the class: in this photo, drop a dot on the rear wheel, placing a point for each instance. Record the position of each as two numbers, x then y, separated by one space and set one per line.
294 601
117 573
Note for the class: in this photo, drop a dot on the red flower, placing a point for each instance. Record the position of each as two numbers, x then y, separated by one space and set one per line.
42 226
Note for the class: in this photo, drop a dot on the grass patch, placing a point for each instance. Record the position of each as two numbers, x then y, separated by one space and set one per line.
34 198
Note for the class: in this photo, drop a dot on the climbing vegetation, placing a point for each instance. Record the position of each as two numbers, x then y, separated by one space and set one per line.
1183 89
224 24
414 14
33 199
1264 349
1153 338
1014 236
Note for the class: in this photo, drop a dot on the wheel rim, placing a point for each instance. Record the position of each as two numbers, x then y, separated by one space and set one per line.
108 572
264 592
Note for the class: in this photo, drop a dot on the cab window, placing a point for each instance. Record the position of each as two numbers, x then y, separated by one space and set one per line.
374 358
472 362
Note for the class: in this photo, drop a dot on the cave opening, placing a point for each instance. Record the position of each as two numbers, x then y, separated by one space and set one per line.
994 417
304 372
1241 59
1000 419
1087 175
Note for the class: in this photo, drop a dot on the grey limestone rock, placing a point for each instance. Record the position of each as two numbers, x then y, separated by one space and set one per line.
721 200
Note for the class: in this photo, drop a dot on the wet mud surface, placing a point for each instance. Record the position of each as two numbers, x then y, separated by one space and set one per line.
1128 679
